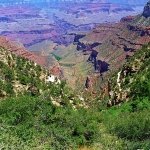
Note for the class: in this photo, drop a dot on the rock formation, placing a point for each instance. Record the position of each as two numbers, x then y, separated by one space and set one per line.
21 51
146 12
123 84
120 40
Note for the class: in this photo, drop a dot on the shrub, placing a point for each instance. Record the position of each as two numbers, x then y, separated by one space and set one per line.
60 128
133 126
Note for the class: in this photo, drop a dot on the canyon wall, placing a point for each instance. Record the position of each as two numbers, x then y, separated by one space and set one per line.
20 50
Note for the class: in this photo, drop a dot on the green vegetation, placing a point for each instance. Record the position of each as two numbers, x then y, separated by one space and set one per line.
130 124
18 72
36 120
28 117
58 58
131 121
31 121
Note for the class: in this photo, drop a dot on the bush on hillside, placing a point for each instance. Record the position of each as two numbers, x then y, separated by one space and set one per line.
60 128
133 126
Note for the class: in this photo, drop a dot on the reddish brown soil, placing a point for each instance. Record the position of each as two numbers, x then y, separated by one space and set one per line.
21 51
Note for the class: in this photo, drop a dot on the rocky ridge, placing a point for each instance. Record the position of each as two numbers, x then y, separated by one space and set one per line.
118 41
20 50
146 12
20 75
121 87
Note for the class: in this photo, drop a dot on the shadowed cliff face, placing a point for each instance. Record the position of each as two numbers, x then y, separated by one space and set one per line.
118 41
146 12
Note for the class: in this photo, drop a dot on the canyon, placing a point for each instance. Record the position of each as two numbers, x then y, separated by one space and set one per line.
74 74
63 37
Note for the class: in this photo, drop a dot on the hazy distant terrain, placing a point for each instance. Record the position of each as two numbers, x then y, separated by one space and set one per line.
30 25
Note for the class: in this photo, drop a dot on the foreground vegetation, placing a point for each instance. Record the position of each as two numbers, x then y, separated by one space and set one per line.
31 121
35 122
131 121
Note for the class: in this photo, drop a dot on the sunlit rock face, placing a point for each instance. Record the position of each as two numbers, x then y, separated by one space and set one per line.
146 12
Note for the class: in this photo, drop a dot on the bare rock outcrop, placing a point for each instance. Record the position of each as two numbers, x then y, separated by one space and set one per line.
146 12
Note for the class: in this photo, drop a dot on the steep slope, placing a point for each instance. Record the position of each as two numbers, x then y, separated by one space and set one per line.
35 114
21 51
116 42
19 75
146 12
121 39
129 89
132 81
31 122
144 18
